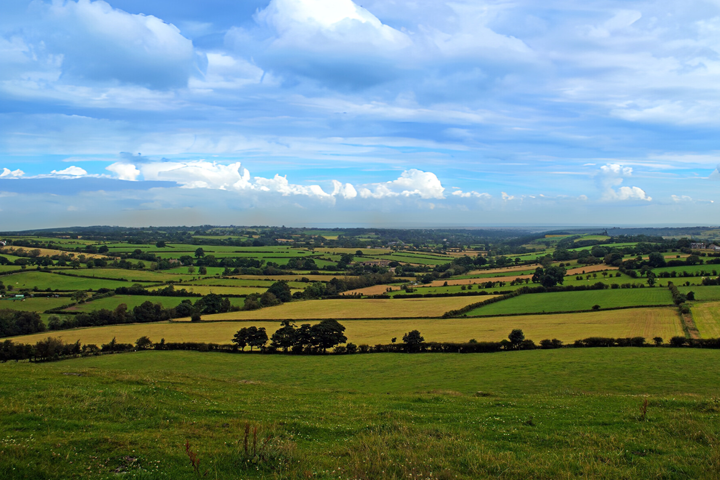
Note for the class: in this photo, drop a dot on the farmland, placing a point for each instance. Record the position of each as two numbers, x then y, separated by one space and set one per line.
533 413
351 308
647 322
576 301
563 412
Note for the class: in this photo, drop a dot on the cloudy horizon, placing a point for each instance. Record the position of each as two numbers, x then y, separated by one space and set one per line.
314 112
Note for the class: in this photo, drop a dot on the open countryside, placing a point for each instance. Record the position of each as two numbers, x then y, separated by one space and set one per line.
397 322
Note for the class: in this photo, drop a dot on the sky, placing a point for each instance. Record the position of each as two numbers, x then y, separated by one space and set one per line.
387 113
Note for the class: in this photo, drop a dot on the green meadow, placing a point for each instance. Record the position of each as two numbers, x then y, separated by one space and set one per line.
576 301
569 413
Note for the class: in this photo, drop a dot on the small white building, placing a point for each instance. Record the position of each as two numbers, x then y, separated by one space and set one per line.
697 246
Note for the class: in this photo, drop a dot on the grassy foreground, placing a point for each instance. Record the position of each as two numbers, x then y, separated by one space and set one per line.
542 414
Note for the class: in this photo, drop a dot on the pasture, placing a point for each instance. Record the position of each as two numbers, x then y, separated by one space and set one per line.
645 322
544 414
133 301
576 301
66 283
703 293
37 304
351 308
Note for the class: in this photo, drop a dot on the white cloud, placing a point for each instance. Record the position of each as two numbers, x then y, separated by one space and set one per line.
507 197
100 43
7 173
71 171
411 182
681 198
198 174
612 175
124 171
471 194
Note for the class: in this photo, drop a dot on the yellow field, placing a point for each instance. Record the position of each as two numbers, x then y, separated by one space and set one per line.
47 252
374 290
707 319
646 322
354 308
206 290
366 251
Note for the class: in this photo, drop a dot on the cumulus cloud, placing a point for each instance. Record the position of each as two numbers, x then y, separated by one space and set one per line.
411 182
124 171
7 173
611 176
71 171
100 43
332 41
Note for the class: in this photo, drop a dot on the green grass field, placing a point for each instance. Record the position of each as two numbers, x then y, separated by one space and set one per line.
130 275
703 293
43 281
545 414
133 301
576 301
39 304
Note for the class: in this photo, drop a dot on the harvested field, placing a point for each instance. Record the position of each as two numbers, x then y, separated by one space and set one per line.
352 308
47 252
646 322
510 278
707 319
374 290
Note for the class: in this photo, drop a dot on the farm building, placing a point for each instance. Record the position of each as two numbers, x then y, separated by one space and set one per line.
697 246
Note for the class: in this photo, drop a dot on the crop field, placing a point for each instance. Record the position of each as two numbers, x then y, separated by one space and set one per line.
646 322
546 414
351 308
230 282
43 281
208 289
575 301
707 319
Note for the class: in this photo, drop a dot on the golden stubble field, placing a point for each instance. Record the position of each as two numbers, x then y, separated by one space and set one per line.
352 308
707 319
646 322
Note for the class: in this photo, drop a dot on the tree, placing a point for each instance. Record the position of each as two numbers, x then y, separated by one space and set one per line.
413 340
256 337
212 303
656 260
284 337
240 338
516 337
658 340
79 296
160 244
143 343
281 290
202 270
199 252
267 299
327 334
103 249
252 302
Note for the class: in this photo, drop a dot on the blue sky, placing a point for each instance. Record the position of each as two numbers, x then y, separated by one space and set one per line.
393 113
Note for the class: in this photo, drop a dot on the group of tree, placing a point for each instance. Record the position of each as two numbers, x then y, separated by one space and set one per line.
303 339
14 322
